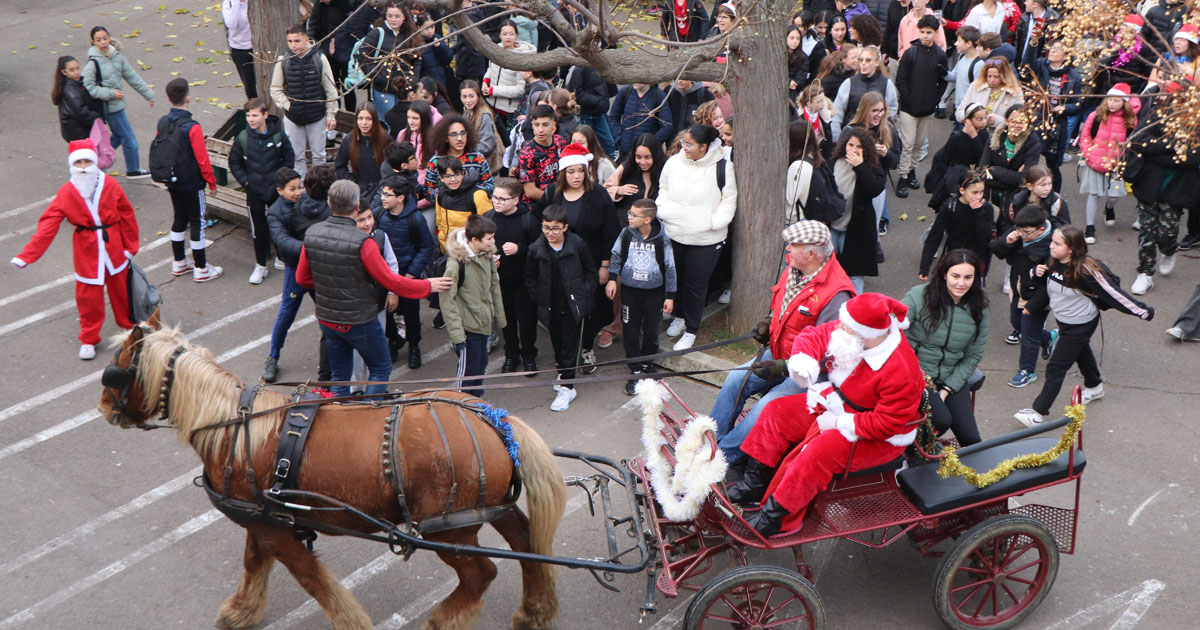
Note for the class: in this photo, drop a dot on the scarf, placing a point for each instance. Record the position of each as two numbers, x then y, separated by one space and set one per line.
814 120
796 283
844 175
1127 55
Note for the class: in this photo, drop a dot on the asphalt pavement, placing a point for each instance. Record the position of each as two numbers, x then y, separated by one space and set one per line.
103 528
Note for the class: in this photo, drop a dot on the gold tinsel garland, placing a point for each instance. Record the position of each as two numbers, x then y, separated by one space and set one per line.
951 465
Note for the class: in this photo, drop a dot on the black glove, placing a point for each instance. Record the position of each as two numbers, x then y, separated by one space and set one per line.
771 370
762 332
1150 313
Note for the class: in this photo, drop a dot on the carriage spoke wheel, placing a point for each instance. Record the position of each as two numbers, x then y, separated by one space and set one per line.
996 574
757 598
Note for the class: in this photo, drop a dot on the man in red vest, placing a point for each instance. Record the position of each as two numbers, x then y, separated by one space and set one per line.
809 292
106 236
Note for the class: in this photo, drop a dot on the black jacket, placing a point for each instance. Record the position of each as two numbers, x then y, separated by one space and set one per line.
1152 168
1105 292
950 164
399 73
590 91
862 233
290 221
254 167
1055 206
469 63
892 159
367 173
1023 259
684 105
77 111
324 19
1005 175
413 250
1165 16
921 79
963 227
1023 26
832 81
595 220
521 228
578 274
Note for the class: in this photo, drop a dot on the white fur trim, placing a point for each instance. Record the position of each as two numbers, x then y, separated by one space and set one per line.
865 332
803 369
845 426
684 490
877 356
903 439
18 263
574 160
81 154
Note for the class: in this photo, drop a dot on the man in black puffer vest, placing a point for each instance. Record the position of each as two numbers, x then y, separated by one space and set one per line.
342 264
302 86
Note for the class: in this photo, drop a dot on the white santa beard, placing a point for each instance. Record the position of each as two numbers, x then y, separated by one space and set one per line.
85 180
847 351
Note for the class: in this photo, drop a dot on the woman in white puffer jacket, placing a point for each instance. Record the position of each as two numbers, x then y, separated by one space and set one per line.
695 212
503 88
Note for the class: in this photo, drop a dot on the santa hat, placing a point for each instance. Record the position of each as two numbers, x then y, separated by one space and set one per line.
732 8
1120 89
1134 20
873 315
1189 32
573 154
81 150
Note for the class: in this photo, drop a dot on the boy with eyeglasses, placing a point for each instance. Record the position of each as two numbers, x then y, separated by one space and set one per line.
516 230
560 276
455 198
414 246
1025 246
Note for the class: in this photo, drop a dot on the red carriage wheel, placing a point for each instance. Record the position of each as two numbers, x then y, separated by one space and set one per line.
996 574
757 598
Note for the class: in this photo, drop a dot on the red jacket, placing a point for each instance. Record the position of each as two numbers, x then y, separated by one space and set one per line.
806 309
94 258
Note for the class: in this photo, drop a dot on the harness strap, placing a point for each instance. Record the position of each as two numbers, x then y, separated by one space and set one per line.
393 461
478 458
245 405
293 435
164 393
449 458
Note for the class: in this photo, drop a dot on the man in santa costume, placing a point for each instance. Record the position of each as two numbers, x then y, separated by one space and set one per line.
873 392
106 236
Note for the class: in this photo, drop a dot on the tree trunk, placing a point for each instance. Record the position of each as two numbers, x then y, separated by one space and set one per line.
269 21
758 65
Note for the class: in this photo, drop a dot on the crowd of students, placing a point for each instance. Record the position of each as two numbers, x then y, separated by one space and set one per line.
552 196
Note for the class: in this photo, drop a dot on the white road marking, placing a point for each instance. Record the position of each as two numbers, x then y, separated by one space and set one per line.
14 233
91 526
26 208
1145 504
88 416
67 278
1135 600
62 390
54 310
183 531
378 565
675 616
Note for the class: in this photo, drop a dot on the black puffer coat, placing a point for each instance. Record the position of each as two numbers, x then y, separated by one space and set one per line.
255 157
579 276
1005 176
77 111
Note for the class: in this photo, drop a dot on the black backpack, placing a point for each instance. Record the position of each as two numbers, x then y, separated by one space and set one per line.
171 157
436 269
825 202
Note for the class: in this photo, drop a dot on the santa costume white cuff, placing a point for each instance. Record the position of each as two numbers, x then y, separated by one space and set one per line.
18 263
803 369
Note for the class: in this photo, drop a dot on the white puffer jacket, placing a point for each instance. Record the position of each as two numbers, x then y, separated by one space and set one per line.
691 207
507 85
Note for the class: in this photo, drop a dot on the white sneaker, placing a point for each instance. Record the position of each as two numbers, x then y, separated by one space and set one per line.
562 401
256 276
1137 224
1166 265
180 267
725 295
209 272
87 352
1142 284
1092 393
278 264
1029 417
685 342
676 327
1006 289
1175 332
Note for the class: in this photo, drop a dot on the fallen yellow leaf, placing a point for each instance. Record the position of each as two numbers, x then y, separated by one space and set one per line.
921 217
162 7
181 11
143 65
200 82
175 74
904 217
199 43
214 99
133 34
224 74
32 46
76 26
177 59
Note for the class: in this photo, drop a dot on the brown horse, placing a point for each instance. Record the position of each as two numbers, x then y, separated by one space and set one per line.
342 459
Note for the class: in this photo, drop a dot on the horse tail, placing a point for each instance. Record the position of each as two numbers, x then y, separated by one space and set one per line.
545 492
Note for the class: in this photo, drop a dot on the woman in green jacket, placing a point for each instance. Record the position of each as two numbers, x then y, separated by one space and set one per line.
102 77
949 333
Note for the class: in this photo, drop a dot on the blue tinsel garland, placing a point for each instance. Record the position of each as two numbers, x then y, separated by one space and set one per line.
495 417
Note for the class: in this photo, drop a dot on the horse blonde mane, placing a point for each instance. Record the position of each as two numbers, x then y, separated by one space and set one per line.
202 394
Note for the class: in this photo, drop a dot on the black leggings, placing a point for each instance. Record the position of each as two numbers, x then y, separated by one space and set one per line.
640 319
694 265
188 206
1073 347
260 231
956 414
243 60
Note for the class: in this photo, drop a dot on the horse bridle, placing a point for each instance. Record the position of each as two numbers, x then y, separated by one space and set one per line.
118 381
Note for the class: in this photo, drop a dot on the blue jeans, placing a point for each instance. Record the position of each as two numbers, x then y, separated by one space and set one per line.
383 104
599 124
729 405
293 294
370 342
1034 336
839 240
123 137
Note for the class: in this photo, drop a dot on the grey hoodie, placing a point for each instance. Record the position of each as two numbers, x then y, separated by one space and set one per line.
642 270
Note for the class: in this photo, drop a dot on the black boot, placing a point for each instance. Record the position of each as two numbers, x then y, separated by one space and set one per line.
768 519
913 182
902 188
414 357
754 483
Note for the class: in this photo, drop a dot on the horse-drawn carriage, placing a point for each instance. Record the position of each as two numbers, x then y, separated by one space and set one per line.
427 470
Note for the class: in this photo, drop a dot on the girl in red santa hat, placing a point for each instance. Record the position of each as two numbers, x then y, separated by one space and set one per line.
106 236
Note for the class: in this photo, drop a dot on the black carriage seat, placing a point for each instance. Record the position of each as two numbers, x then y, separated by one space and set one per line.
931 494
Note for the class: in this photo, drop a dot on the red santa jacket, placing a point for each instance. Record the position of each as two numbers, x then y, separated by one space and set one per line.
93 256
805 309
887 382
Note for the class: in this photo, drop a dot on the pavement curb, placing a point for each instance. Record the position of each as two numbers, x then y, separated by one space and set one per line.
697 360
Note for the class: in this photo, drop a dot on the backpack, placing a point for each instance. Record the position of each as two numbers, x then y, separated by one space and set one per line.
720 175
971 69
144 298
355 77
276 137
659 253
171 152
436 269
825 202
